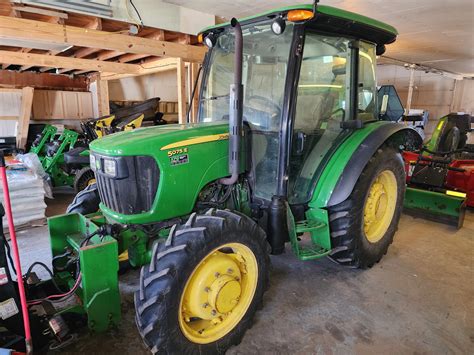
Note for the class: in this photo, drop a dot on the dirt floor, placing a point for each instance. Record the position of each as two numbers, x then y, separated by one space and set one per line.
417 300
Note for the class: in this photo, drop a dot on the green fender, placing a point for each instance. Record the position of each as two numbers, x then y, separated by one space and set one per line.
339 178
345 166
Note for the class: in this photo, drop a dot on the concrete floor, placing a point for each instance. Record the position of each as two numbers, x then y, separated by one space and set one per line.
419 299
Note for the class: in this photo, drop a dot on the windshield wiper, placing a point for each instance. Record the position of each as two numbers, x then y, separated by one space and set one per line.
214 97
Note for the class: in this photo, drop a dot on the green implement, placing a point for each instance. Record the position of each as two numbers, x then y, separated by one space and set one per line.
435 206
39 144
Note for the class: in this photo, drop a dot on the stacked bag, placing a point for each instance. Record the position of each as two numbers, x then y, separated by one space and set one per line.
27 190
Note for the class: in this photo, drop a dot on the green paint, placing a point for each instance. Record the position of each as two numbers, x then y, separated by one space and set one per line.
179 184
317 225
327 10
435 137
52 164
98 266
435 203
47 135
334 168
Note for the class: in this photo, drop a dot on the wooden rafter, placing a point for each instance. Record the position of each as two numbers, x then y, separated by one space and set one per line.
108 54
151 67
17 28
66 62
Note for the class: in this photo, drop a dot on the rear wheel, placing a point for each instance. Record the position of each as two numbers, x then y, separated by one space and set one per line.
363 226
84 178
203 285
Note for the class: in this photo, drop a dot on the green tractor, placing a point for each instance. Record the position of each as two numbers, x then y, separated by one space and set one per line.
293 153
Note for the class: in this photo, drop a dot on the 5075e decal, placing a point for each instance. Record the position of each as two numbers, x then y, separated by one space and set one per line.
177 151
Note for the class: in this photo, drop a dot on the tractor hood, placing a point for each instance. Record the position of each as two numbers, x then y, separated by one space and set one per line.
150 140
187 158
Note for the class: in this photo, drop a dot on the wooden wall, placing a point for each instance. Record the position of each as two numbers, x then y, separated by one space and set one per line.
60 105
10 102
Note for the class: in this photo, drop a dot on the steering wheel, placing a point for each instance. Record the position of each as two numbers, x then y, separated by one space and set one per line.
267 102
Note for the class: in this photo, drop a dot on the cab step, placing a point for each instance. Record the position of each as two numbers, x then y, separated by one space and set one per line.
309 249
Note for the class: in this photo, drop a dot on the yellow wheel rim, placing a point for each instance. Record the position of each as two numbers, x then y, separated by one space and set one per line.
218 293
380 206
90 182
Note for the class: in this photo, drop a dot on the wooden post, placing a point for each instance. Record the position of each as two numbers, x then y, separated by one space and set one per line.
195 101
24 117
103 97
181 82
100 97
410 89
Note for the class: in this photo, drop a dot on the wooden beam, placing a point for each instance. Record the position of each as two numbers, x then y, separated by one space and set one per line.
9 118
35 10
131 57
24 117
84 52
26 67
152 67
22 50
66 62
181 82
9 78
103 97
107 54
100 97
18 28
79 72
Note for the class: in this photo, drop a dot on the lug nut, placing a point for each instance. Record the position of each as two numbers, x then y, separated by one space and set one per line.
230 271
205 305
217 274
206 289
213 312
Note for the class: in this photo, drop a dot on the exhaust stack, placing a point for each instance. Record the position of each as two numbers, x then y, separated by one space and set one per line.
235 109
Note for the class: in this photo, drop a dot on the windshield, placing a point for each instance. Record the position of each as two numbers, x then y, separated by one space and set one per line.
264 72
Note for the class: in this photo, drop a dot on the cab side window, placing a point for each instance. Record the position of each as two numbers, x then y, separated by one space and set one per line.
367 88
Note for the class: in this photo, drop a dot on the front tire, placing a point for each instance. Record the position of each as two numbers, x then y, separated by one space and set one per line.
204 284
86 201
362 227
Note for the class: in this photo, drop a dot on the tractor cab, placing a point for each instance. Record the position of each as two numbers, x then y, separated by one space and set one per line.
308 80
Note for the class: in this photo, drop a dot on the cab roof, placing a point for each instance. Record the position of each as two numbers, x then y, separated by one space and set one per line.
329 19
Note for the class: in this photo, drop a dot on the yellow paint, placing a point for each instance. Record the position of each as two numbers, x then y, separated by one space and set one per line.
103 124
455 193
197 140
218 293
123 256
136 123
91 181
380 206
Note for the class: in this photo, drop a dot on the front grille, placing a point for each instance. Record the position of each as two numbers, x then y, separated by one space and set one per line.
134 189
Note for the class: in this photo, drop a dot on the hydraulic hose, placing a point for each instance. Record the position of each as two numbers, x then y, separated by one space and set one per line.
16 255
235 108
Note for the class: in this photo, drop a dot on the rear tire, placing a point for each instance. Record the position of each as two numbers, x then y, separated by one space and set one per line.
351 244
173 268
85 202
84 178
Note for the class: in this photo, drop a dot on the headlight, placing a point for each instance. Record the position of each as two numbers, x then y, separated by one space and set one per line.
93 162
110 167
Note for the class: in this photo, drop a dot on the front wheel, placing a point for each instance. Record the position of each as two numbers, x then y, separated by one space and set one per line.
363 226
203 285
